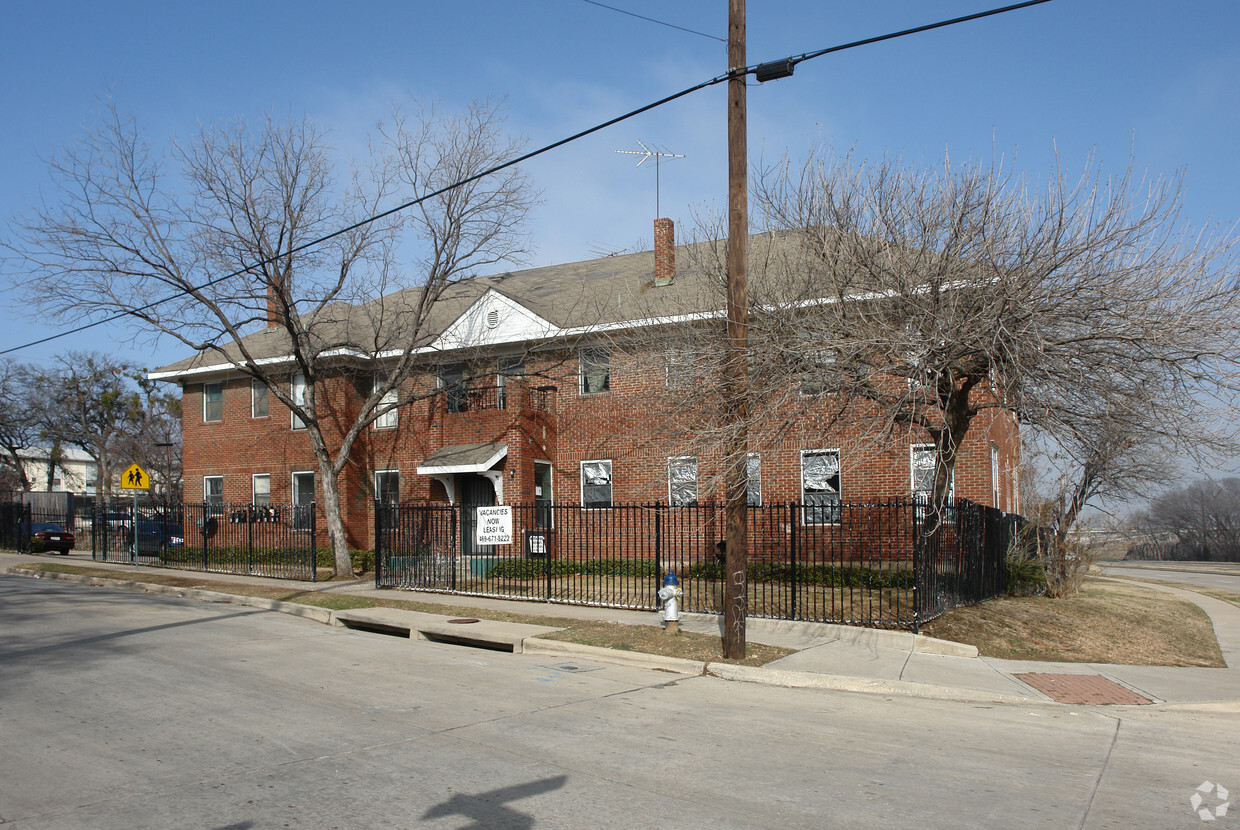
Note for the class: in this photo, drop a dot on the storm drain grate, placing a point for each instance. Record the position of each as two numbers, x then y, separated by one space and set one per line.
1081 688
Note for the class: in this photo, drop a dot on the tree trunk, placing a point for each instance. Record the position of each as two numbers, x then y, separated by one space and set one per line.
342 563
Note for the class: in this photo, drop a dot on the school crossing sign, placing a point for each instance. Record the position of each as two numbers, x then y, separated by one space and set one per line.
135 478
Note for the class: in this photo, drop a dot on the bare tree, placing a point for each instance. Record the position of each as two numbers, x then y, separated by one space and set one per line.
1198 521
1087 309
94 404
916 301
19 422
237 226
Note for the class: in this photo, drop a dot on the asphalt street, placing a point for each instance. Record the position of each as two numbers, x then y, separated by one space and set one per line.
1221 576
122 709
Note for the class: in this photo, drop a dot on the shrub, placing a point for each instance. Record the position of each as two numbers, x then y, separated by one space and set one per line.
534 568
1026 576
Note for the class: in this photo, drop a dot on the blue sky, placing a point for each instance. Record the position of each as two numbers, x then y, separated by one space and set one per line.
1157 81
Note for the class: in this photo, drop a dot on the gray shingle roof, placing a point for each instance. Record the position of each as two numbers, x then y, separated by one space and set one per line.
572 297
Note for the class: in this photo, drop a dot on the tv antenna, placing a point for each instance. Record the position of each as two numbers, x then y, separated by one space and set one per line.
646 155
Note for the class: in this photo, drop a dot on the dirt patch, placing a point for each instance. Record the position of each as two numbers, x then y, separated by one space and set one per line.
1106 622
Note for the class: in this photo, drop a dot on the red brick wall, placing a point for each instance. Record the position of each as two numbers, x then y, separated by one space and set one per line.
622 425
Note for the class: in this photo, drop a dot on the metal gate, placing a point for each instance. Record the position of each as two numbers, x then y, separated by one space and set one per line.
417 549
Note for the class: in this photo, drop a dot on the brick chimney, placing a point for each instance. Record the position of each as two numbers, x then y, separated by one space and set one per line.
664 251
274 318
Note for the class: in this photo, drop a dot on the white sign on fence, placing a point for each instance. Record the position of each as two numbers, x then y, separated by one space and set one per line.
493 526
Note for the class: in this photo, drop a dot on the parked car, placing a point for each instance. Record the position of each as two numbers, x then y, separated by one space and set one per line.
48 536
155 536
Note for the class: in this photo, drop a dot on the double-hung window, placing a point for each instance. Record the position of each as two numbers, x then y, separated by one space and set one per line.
596 483
682 481
262 489
820 486
753 480
212 402
595 371
213 494
388 419
297 389
258 399
387 496
921 470
507 368
680 368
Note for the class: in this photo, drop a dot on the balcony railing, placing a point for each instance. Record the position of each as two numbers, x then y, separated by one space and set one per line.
474 398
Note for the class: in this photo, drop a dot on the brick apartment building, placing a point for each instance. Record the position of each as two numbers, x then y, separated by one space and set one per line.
531 394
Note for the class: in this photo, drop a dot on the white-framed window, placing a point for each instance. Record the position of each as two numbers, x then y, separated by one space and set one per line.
303 499
818 369
213 494
261 489
388 419
682 481
511 366
820 486
387 487
680 368
454 380
91 475
753 480
212 402
595 371
921 473
297 389
387 497
994 476
258 399
596 483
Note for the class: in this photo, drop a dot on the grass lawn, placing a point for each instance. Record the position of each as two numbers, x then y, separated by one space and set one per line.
1107 622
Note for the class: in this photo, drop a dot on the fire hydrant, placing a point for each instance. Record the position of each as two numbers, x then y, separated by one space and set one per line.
670 594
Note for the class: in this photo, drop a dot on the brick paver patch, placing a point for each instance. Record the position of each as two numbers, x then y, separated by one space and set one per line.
1080 688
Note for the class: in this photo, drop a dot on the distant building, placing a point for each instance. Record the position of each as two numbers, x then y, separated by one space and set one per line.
75 473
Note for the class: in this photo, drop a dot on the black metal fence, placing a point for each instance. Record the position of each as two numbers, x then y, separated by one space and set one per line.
21 519
870 564
259 540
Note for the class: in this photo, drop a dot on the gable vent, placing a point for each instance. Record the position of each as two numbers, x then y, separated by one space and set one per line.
492 318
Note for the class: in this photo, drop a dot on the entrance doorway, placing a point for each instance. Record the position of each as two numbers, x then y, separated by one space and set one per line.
542 494
475 491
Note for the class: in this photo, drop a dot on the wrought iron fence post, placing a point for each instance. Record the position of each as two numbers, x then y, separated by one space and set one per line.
918 556
249 538
453 543
378 545
545 528
314 544
792 554
658 543
206 518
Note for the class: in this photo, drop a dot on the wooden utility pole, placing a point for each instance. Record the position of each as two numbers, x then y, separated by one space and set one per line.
736 368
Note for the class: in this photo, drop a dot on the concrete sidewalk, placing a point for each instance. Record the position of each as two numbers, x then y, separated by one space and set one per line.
827 656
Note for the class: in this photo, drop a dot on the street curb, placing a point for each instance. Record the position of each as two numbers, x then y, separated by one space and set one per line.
873 637
319 615
844 683
637 659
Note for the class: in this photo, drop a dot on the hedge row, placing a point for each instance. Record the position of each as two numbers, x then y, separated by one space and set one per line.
831 576
826 575
534 568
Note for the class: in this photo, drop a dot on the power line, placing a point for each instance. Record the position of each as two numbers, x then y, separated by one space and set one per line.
652 20
718 79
